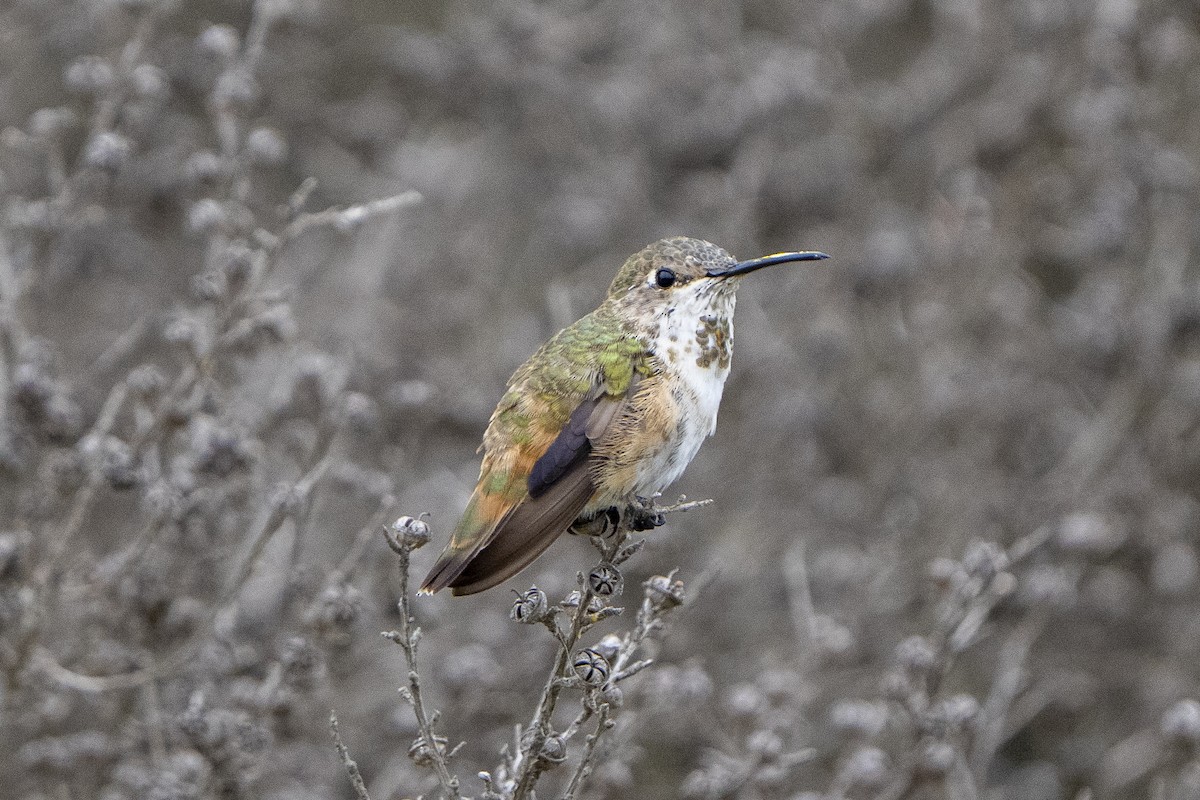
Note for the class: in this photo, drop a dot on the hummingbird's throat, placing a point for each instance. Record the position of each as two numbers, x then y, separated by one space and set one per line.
698 328
714 336
692 340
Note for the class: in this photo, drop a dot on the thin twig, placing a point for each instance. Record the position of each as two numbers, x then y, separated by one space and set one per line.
349 218
993 717
528 766
12 332
539 728
272 520
112 568
155 736
348 763
120 349
407 637
288 504
61 538
684 505
603 723
358 548
106 114
46 664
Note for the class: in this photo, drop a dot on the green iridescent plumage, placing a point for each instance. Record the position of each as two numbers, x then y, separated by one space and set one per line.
598 350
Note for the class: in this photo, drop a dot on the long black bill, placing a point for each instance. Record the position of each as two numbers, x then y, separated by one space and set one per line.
766 261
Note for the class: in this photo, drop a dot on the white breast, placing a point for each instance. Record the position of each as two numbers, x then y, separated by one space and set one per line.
685 337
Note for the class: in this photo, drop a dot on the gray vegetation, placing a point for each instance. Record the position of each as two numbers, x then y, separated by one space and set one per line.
266 266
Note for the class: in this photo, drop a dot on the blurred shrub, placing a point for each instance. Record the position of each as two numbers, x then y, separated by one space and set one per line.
954 546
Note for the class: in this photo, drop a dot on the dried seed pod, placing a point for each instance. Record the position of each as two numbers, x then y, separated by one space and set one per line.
937 757
146 381
984 560
859 716
206 214
235 88
609 646
48 122
209 286
606 581
150 82
302 662
1086 534
959 710
530 607
572 601
118 464
361 412
868 767
203 166
337 608
591 667
553 751
664 592
422 755
613 695
413 532
897 685
765 744
88 75
219 40
916 653
107 150
266 146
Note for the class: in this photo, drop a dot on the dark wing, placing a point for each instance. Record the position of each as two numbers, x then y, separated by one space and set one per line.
560 485
571 447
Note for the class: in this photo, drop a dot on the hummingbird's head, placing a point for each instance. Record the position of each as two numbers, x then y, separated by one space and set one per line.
679 268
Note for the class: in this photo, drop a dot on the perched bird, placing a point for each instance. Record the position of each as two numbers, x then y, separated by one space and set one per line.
607 412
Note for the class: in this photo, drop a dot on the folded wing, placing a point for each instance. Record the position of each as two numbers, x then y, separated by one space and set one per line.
530 516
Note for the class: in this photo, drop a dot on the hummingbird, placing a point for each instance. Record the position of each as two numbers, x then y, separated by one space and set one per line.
608 412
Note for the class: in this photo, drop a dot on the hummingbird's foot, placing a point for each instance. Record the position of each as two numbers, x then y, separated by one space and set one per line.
643 516
601 524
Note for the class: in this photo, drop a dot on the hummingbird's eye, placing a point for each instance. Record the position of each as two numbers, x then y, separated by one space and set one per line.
665 278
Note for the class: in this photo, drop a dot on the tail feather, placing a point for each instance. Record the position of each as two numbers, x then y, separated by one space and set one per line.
448 567
475 530
527 531
480 556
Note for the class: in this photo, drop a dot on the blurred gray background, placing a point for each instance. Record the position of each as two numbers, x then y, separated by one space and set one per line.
1006 341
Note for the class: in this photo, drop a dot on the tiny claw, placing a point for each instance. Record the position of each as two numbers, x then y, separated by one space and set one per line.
643 516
